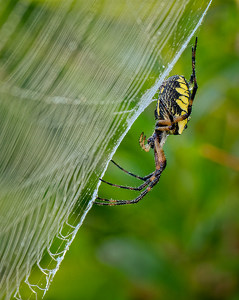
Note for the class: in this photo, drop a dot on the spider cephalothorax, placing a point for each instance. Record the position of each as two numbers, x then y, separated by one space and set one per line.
172 112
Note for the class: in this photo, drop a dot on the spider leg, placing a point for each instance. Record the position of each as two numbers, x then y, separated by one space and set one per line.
163 128
131 174
161 123
193 76
181 118
166 124
111 202
193 79
160 162
139 188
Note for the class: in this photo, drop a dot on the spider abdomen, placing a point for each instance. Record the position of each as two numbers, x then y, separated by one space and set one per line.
173 98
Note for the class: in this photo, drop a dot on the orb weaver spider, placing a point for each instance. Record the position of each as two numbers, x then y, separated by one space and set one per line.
174 106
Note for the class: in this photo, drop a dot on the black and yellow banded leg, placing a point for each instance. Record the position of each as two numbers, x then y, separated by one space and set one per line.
164 128
166 125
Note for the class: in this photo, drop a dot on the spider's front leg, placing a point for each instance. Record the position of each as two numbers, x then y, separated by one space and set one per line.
149 145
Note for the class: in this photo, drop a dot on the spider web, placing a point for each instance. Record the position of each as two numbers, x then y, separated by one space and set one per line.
73 77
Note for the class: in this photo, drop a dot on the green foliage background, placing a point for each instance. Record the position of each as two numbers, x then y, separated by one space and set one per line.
182 240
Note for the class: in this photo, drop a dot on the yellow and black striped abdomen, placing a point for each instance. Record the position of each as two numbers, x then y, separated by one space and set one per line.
174 98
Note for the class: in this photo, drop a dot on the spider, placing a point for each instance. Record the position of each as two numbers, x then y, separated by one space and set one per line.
174 106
